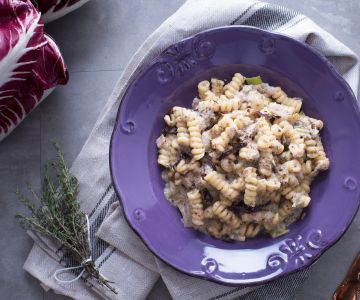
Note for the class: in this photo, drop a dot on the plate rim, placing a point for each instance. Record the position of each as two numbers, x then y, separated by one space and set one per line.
116 127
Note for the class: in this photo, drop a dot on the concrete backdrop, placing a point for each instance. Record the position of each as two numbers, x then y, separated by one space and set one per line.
97 41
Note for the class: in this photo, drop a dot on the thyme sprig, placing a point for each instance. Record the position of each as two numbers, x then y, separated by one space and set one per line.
57 214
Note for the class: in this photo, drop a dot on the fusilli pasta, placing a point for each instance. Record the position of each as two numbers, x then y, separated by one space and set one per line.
242 160
196 205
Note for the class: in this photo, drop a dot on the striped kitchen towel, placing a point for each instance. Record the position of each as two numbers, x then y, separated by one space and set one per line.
118 252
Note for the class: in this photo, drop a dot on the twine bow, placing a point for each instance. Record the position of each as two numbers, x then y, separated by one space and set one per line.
83 263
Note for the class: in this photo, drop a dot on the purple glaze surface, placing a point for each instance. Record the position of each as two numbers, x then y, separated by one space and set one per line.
171 80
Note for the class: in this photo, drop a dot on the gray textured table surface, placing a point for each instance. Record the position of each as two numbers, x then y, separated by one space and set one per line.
97 41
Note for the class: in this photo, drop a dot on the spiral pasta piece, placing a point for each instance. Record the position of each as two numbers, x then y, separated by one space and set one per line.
250 186
226 215
276 147
196 207
273 184
280 97
226 202
277 131
241 121
257 103
266 141
261 186
321 163
220 126
221 104
279 230
209 97
303 188
222 141
227 164
269 185
180 115
218 182
238 184
227 105
164 157
315 123
266 164
182 167
249 154
297 144
292 180
169 120
301 200
312 149
208 212
217 86
183 135
214 228
198 149
263 127
274 196
307 167
315 151
259 217
167 155
234 85
203 88
288 193
286 156
293 166
249 231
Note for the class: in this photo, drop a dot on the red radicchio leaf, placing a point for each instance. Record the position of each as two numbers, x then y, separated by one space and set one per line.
30 63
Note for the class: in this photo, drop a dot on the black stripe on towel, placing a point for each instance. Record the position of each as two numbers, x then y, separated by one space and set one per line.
100 200
106 258
270 17
244 13
292 25
98 245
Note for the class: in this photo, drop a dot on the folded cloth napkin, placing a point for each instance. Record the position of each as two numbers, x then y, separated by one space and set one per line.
118 252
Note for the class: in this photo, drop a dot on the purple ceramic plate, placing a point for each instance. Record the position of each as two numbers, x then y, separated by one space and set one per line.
172 80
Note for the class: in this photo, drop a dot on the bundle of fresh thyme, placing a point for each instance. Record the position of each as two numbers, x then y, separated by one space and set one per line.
58 215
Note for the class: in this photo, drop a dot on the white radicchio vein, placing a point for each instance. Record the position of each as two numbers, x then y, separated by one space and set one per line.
9 121
11 125
10 63
6 96
18 118
51 15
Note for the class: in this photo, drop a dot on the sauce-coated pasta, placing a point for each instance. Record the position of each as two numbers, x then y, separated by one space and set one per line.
242 160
